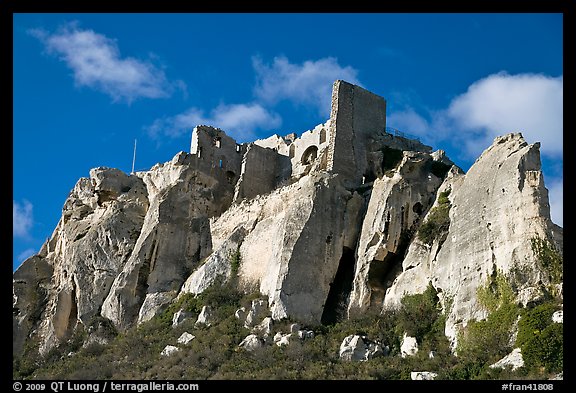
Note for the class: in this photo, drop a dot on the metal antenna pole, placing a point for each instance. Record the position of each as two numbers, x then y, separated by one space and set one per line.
133 158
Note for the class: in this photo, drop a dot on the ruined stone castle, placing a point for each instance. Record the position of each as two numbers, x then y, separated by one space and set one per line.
343 145
325 226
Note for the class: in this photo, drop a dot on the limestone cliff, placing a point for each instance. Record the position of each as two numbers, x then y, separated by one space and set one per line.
325 225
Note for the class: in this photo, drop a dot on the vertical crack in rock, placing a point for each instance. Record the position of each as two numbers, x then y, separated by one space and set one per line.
335 306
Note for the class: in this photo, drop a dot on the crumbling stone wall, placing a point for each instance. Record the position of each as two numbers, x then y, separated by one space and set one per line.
356 114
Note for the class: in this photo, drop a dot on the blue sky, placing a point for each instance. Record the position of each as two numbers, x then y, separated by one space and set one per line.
87 85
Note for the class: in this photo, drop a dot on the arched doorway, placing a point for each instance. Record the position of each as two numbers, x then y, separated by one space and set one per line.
309 155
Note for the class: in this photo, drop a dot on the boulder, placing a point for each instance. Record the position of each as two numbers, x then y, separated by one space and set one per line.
558 316
305 334
205 317
359 348
264 328
169 350
185 338
513 359
179 317
423 375
240 314
251 342
409 346
257 311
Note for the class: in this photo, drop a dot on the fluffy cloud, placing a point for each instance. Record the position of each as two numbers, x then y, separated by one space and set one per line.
410 121
22 218
498 104
96 63
493 106
502 103
309 83
238 120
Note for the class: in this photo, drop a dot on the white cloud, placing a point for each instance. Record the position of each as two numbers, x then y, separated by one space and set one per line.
25 254
409 121
309 83
96 63
502 103
22 218
496 105
556 197
238 120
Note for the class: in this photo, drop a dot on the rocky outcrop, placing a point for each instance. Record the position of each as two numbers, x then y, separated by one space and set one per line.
169 350
359 348
397 203
423 376
101 221
409 346
175 236
251 343
185 338
324 227
496 209
513 360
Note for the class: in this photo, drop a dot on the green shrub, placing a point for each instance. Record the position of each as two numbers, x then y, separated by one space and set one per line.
235 258
438 222
488 340
533 322
418 313
540 339
545 349
549 258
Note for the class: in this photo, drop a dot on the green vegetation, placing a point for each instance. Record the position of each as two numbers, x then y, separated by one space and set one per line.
549 258
438 222
235 258
214 353
488 340
540 339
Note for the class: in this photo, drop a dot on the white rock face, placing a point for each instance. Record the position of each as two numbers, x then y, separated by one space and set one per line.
107 209
169 350
128 245
497 208
185 338
174 237
396 205
513 359
409 346
423 375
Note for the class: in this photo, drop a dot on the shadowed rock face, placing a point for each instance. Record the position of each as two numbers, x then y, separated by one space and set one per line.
324 226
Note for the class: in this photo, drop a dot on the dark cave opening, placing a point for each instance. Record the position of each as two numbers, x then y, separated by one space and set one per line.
335 306
381 274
